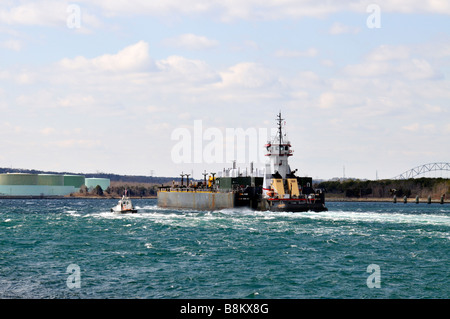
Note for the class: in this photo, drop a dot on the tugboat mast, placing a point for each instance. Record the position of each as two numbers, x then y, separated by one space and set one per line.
280 133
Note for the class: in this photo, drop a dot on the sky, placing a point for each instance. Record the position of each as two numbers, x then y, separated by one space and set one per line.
154 87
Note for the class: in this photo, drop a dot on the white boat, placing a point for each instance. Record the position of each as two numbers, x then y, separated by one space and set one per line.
124 205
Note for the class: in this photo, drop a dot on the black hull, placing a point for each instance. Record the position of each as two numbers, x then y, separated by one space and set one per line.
287 206
281 205
311 200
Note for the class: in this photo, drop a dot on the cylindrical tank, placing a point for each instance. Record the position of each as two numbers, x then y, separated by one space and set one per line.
104 183
18 179
74 180
50 180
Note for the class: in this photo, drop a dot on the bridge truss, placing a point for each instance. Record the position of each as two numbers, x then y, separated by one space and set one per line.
422 169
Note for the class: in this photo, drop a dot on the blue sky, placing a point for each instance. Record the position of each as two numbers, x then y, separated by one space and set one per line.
107 94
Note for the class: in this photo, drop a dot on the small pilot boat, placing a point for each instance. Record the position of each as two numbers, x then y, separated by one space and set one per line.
124 205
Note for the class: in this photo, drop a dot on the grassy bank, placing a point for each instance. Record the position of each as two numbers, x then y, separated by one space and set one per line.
381 200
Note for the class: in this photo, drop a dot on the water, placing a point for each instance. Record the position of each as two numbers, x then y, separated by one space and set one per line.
161 253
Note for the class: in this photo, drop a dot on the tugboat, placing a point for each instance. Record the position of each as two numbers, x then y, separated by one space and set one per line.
274 188
124 205
282 190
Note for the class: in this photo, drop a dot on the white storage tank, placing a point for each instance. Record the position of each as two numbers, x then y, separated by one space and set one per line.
91 183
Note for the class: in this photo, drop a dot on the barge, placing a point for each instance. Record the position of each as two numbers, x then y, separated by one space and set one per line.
274 188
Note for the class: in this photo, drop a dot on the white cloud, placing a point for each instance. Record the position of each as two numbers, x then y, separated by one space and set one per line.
310 53
139 7
191 42
43 13
264 10
416 127
247 75
412 6
364 101
438 50
47 131
245 45
339 28
418 69
182 69
12 44
54 12
327 100
429 128
339 100
77 143
393 61
434 108
389 52
368 69
35 100
82 101
25 77
132 58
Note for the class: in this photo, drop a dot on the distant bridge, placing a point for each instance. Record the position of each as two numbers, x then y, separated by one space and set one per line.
422 169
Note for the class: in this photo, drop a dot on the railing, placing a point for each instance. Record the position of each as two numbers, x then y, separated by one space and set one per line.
191 190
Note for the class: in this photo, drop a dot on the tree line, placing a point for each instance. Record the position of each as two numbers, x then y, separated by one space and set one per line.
118 191
110 176
422 187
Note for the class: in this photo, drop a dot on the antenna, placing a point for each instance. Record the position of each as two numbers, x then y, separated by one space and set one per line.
182 176
280 134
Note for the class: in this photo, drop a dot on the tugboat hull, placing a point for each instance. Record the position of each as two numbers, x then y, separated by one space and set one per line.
293 206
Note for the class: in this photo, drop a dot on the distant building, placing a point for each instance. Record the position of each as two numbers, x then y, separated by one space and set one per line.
20 184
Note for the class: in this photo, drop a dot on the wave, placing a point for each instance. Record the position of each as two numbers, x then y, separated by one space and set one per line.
370 216
72 212
243 215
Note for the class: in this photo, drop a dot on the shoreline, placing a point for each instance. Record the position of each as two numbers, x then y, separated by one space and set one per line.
74 197
384 200
332 199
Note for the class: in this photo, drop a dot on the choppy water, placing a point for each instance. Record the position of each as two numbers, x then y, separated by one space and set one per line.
160 253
